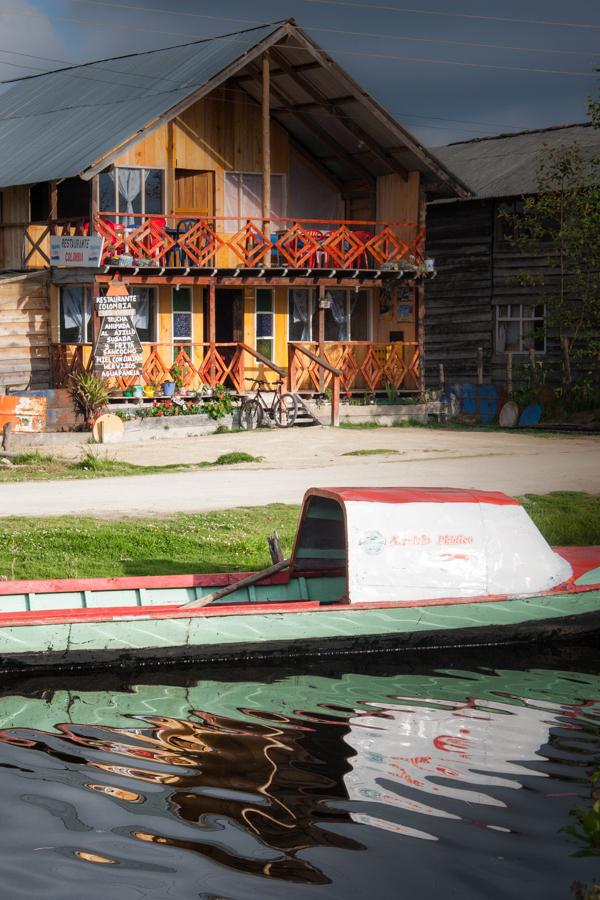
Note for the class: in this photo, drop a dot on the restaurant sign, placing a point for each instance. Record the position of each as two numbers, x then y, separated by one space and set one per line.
76 250
118 350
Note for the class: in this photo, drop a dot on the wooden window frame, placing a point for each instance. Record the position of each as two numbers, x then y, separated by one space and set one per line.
163 191
520 319
88 312
258 313
314 305
241 218
348 292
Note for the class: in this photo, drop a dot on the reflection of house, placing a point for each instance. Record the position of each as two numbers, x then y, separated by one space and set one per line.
475 300
250 193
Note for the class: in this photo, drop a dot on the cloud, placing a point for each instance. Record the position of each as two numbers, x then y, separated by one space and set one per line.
27 32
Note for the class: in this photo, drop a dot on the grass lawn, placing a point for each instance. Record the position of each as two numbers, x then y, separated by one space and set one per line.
39 467
212 542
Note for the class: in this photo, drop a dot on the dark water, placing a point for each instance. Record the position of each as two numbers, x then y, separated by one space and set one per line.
367 780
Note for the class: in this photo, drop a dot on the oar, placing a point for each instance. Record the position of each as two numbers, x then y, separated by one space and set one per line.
244 582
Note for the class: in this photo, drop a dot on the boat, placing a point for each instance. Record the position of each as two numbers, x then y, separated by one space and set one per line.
372 569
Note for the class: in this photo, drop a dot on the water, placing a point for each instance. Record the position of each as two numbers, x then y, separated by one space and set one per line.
367 779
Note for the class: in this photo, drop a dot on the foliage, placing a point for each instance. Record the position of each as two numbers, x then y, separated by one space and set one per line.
236 456
371 452
561 223
220 406
209 542
162 408
391 392
587 830
176 373
90 395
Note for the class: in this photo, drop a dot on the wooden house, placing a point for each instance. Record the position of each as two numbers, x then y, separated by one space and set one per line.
267 213
476 300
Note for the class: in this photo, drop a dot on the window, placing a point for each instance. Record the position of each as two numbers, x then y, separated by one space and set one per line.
243 198
302 312
131 191
145 314
520 327
508 213
182 316
75 314
265 321
348 316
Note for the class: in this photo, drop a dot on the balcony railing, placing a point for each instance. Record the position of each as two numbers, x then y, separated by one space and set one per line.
225 242
364 366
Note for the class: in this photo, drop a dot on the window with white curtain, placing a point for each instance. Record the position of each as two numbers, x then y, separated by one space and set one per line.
131 191
302 311
75 314
348 316
243 198
144 318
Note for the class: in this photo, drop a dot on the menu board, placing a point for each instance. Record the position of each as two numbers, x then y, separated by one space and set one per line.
118 350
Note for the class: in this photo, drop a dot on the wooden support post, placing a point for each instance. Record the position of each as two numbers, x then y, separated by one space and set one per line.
564 343
94 202
533 366
212 332
509 375
442 378
321 333
420 299
291 376
335 401
275 548
480 366
53 203
266 144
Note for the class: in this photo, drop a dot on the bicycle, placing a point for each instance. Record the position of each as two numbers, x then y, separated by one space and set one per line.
283 408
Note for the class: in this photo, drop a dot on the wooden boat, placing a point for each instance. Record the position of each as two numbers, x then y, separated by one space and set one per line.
371 569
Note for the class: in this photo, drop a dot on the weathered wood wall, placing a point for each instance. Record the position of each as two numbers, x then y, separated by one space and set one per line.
24 331
458 302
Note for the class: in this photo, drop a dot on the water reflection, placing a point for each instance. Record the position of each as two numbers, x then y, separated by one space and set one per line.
296 784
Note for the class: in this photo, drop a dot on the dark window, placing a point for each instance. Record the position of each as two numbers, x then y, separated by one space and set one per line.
39 198
145 317
73 199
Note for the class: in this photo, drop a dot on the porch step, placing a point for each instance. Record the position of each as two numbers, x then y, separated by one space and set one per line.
306 417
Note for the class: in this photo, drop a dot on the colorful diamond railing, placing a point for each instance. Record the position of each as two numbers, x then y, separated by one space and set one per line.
177 241
365 366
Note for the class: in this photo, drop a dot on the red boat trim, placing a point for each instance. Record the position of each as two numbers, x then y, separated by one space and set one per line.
412 495
130 613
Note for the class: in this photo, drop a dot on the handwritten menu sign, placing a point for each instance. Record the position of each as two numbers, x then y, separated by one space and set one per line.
118 350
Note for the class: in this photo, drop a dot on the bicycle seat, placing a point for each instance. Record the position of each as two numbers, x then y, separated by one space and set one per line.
257 380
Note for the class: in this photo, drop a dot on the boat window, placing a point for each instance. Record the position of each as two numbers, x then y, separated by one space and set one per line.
321 538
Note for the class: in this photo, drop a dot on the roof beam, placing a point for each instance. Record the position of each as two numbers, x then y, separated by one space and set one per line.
315 104
322 134
349 124
303 67
429 161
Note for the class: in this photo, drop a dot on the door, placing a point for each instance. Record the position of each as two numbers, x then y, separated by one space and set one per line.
229 322
194 193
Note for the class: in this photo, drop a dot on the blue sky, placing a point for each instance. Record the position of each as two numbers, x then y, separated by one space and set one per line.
428 61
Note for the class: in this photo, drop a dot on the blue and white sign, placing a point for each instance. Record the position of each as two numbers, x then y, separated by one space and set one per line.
76 250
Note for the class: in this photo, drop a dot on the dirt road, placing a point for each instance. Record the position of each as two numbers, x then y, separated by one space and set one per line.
299 459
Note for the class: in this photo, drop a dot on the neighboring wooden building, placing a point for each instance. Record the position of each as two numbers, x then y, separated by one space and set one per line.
475 302
251 194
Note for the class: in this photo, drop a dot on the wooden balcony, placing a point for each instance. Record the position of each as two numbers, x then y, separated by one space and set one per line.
365 367
227 243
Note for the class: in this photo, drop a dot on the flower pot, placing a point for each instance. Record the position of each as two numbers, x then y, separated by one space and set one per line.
148 391
137 390
168 388
128 392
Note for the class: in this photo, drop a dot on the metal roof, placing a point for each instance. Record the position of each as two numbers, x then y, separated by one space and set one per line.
506 165
74 120
55 125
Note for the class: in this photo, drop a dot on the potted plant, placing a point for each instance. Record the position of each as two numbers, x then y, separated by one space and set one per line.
176 373
138 390
90 395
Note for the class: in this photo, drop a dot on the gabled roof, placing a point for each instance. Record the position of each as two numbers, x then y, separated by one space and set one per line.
72 121
506 165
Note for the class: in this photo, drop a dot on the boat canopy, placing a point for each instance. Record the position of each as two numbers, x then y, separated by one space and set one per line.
415 544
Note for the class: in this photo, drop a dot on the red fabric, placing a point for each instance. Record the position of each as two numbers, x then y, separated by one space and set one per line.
413 495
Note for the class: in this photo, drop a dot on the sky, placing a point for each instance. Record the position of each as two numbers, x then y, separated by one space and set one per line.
429 62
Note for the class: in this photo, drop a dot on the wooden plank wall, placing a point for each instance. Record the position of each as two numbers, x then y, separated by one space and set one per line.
15 208
24 331
476 274
458 302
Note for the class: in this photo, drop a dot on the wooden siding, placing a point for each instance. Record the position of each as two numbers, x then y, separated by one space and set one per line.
24 331
15 208
458 302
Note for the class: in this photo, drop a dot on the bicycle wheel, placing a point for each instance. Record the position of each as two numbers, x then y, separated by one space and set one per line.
285 410
251 415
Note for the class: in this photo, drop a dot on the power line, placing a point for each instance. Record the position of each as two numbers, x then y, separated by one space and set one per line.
455 15
318 28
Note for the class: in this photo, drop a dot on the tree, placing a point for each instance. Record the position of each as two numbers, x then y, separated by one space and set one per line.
562 223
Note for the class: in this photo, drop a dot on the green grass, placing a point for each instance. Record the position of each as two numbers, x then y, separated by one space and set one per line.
231 540
38 467
370 452
462 426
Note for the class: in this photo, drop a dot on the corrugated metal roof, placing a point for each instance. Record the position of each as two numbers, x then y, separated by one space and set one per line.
62 123
56 125
507 165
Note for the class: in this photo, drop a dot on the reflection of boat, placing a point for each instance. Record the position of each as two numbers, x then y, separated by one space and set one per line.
371 569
